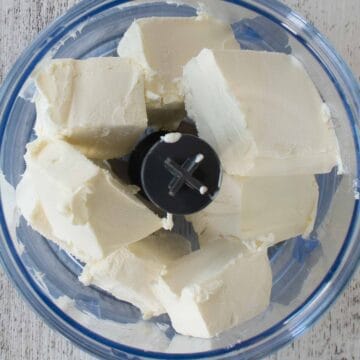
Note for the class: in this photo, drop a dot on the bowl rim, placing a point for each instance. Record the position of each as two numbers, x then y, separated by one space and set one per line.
277 335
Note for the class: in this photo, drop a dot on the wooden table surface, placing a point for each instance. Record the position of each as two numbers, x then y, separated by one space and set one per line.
24 336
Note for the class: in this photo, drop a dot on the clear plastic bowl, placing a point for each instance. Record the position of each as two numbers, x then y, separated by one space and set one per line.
308 275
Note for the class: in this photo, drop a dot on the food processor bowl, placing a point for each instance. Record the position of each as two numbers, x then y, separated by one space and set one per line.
308 274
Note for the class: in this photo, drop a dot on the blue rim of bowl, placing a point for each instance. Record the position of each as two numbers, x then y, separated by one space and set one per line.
277 335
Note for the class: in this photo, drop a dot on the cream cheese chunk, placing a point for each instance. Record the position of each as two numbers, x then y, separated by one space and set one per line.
129 272
31 208
97 104
261 112
215 288
163 45
259 211
28 202
85 206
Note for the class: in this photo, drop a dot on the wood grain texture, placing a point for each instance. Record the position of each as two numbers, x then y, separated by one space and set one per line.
24 336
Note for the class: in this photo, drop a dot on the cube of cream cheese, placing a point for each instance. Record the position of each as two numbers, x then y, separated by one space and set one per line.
128 272
215 288
96 104
85 206
259 211
163 45
261 112
28 202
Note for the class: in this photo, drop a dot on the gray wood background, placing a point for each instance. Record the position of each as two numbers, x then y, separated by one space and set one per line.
24 336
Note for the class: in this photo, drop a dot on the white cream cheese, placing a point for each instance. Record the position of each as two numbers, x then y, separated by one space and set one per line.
168 222
261 112
128 272
215 288
259 211
163 45
171 138
65 196
97 104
